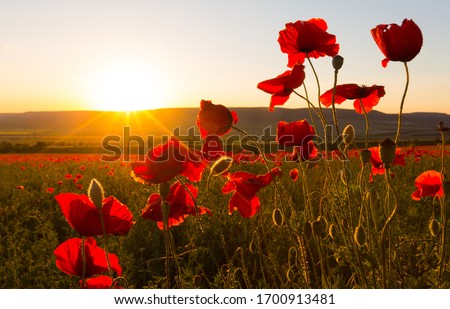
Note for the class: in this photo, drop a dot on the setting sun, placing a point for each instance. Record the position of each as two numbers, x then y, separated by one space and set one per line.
126 89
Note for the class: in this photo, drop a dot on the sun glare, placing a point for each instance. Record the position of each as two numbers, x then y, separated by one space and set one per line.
126 89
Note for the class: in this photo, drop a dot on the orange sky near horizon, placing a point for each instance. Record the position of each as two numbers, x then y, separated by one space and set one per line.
116 55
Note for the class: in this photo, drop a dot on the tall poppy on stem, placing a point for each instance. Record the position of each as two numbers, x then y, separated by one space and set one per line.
399 43
307 39
245 186
283 85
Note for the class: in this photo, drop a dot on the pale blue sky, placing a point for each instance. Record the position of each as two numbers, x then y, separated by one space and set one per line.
72 55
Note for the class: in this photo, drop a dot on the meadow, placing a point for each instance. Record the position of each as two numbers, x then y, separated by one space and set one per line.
320 209
269 250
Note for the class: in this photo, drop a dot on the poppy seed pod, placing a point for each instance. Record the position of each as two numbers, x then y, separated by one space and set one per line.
348 135
95 193
338 62
387 152
365 155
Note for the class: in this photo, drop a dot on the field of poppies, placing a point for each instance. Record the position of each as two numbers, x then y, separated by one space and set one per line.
318 212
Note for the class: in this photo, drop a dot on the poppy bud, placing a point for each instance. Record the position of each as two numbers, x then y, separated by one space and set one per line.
442 127
277 217
221 166
307 230
95 193
348 135
164 189
434 227
360 236
365 155
318 227
338 62
387 152
332 231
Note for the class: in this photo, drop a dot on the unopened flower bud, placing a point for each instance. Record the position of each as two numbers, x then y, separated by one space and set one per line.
221 166
365 155
277 217
434 227
348 135
95 193
360 236
387 152
442 127
338 62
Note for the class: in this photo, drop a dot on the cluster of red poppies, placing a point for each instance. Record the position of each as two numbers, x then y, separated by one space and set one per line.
91 215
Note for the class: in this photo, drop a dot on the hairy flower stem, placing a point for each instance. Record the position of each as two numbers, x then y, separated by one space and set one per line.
310 106
383 237
333 108
83 260
399 123
102 221
366 118
443 206
165 213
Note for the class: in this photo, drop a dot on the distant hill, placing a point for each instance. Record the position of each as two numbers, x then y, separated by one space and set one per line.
419 126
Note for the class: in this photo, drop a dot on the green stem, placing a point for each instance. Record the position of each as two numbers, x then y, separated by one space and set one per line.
399 124
83 260
386 224
102 221
366 118
335 119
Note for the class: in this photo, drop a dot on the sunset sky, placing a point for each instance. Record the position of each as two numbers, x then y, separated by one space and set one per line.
144 54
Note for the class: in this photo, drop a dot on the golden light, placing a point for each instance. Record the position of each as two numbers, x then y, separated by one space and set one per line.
126 89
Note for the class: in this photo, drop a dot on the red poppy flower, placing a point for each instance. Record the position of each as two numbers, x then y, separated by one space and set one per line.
307 39
50 190
212 148
369 96
81 213
180 203
283 85
245 186
164 162
428 183
307 152
69 258
398 43
378 166
293 173
295 133
215 119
